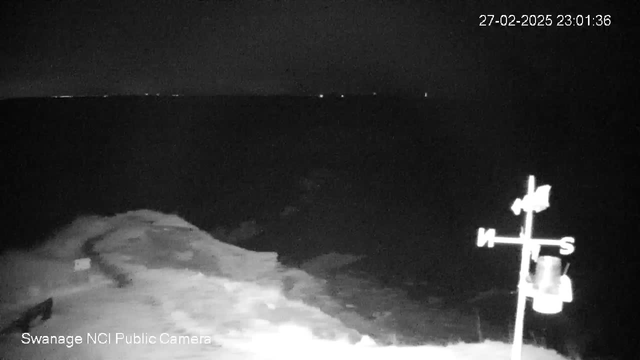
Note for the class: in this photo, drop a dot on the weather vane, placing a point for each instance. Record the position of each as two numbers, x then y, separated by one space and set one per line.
548 287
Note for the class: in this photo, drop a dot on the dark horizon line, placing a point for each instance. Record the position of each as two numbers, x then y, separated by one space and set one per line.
325 96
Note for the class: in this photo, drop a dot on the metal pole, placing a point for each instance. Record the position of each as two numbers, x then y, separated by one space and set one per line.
516 349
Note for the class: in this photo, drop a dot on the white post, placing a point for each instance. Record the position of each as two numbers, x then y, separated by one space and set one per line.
516 350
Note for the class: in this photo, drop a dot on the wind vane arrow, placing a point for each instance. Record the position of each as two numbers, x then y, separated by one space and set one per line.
538 201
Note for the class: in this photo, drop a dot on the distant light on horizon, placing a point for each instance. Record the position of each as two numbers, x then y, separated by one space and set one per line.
321 96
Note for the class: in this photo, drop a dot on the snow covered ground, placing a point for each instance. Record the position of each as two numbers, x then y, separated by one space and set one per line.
160 288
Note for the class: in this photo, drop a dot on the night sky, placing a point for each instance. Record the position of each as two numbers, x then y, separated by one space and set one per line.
306 47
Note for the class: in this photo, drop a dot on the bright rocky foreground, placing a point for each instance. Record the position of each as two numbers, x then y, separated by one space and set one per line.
160 288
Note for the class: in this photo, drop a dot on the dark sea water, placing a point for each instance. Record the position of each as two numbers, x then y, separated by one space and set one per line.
448 167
